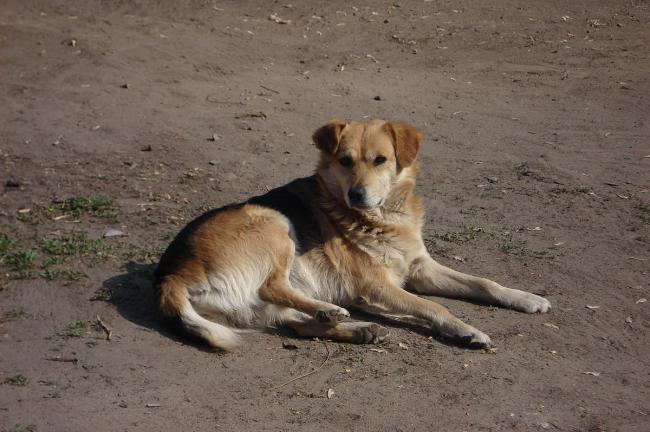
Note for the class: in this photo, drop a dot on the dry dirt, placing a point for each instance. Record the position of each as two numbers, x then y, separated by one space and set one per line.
535 115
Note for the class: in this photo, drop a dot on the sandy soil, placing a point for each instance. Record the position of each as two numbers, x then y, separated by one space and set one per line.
535 172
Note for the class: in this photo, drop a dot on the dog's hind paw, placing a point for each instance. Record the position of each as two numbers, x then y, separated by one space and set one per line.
332 315
364 332
374 334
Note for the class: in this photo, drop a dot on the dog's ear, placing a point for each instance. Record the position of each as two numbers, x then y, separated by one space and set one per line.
327 137
406 140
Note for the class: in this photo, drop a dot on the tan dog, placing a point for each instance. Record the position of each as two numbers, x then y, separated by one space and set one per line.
348 236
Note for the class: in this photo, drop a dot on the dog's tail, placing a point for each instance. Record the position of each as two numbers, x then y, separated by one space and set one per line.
171 296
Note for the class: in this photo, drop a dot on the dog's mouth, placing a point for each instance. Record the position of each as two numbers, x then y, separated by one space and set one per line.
364 206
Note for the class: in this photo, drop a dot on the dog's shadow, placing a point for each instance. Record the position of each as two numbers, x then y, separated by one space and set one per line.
132 295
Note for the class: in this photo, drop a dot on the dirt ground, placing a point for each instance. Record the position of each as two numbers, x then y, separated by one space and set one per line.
138 115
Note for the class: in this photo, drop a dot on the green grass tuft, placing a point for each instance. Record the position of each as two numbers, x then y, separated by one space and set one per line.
75 329
74 244
14 314
94 205
5 243
142 254
64 274
21 261
16 380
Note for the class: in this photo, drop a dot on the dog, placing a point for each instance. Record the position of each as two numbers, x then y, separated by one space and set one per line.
349 236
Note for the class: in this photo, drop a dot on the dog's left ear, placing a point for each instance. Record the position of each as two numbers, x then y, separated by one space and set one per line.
327 137
406 140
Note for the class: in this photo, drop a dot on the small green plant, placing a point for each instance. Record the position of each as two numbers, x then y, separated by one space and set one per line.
432 245
5 242
65 274
16 380
74 244
20 428
577 190
102 294
140 254
94 205
20 262
506 246
465 235
52 260
490 193
14 314
75 329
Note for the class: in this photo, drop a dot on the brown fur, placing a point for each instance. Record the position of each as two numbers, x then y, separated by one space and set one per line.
348 236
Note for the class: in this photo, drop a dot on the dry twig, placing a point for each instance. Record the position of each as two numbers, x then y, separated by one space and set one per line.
308 373
108 331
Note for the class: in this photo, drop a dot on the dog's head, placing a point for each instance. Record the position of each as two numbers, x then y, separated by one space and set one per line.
362 163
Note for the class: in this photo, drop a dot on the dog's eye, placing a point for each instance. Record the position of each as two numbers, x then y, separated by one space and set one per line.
346 161
379 160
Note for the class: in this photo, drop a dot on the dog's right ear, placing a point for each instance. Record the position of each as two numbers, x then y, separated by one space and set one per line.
327 137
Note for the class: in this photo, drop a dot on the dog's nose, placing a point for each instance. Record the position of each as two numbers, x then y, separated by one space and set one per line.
357 195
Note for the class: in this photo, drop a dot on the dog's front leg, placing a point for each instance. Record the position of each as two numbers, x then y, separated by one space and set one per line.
429 277
393 299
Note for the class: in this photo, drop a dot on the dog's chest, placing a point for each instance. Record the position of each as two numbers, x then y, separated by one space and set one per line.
387 250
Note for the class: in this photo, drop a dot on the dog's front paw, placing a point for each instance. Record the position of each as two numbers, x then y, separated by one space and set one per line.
467 335
332 315
476 339
531 303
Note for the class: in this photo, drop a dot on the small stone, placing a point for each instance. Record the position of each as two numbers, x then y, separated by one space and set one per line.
113 233
377 98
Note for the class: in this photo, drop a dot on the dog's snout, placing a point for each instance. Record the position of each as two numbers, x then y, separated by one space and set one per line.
357 195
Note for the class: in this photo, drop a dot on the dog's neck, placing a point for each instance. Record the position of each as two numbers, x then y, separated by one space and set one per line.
396 206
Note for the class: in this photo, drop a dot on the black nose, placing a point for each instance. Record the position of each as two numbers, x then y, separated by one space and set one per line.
357 195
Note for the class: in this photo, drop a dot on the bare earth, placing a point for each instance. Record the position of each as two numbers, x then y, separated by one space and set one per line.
535 173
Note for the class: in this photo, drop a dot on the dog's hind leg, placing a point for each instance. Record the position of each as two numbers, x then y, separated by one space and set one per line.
350 331
281 293
277 290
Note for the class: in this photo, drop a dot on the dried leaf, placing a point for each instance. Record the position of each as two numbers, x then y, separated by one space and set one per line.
596 374
628 320
641 300
330 393
403 345
592 307
379 350
551 326
534 229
